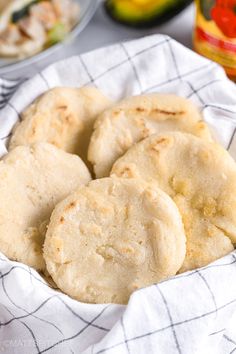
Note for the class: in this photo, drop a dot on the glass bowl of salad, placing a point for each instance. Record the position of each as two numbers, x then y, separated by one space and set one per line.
31 30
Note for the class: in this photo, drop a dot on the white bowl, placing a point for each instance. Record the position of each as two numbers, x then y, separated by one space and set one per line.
9 66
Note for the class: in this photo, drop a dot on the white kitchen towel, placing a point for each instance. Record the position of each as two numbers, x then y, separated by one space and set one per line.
193 313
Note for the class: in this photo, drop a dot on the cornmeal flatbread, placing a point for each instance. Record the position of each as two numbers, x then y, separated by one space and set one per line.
112 237
64 117
200 176
33 179
136 118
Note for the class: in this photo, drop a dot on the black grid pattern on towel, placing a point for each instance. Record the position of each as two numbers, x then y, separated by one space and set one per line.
64 342
7 88
17 314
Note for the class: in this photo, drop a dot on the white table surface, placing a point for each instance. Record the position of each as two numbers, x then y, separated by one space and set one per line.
103 31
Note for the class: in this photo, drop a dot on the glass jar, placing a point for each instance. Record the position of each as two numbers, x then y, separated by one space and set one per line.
215 32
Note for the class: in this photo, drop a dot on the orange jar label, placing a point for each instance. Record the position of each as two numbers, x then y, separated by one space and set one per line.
215 32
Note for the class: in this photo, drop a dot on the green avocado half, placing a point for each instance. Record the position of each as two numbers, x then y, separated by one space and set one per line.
144 13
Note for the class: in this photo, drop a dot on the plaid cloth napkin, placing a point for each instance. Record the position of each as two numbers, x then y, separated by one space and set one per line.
193 313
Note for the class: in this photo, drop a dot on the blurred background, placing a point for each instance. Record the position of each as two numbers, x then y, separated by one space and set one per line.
102 30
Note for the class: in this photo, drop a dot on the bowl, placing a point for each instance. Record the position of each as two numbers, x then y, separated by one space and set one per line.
10 65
